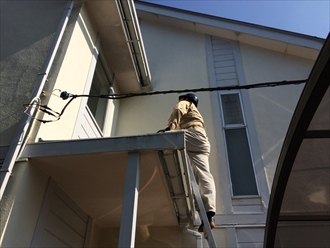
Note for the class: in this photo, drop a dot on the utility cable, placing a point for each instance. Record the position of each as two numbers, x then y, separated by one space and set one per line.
220 88
65 95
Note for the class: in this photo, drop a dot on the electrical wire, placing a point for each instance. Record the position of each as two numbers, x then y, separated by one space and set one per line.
65 95
32 103
220 88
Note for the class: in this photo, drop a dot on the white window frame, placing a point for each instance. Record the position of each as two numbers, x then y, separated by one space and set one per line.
106 124
242 210
97 54
237 126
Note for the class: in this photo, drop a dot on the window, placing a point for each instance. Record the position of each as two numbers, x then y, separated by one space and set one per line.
238 149
100 86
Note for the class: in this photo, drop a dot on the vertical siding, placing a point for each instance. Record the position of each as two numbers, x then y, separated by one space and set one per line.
224 62
61 223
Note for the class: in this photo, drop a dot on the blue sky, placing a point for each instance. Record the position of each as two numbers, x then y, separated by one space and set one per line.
310 17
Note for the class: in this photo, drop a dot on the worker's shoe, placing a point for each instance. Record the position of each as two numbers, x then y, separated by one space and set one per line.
211 221
212 225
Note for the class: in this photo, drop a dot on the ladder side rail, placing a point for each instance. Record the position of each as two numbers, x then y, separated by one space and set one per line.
208 235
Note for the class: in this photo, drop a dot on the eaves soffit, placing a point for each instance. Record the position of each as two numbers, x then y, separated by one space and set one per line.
105 15
269 38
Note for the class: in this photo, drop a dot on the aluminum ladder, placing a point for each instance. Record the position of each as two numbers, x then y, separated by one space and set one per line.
208 235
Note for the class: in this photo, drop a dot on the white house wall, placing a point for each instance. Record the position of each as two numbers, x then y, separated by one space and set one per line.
27 30
157 236
177 60
273 107
23 200
267 112
25 192
153 236
72 78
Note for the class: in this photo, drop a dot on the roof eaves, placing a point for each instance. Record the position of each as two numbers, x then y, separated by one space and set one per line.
238 27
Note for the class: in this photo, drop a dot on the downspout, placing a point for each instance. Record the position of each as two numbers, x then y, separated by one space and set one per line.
199 237
24 126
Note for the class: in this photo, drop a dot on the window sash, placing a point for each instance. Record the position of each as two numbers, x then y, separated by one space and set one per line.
240 163
232 110
241 168
100 86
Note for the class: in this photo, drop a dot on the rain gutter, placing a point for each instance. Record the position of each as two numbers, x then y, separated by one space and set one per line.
135 43
25 124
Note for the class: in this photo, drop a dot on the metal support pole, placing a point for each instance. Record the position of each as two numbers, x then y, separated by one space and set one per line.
130 201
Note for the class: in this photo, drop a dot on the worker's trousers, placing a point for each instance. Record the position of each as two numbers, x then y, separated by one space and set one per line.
198 149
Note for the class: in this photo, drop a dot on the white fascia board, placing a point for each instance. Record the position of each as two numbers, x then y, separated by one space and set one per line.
162 141
196 19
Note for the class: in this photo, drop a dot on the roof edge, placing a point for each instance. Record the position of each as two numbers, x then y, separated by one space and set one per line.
311 42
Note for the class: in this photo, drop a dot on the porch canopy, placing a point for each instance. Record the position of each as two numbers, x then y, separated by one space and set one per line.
95 173
299 208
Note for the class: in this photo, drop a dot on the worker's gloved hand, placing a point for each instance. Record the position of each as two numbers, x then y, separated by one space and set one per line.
164 130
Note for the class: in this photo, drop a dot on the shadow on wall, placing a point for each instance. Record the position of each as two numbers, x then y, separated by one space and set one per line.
23 23
27 30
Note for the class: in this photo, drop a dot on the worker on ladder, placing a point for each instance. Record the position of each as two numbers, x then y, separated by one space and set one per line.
185 116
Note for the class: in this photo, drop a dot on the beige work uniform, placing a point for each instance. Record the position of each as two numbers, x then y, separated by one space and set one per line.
185 115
